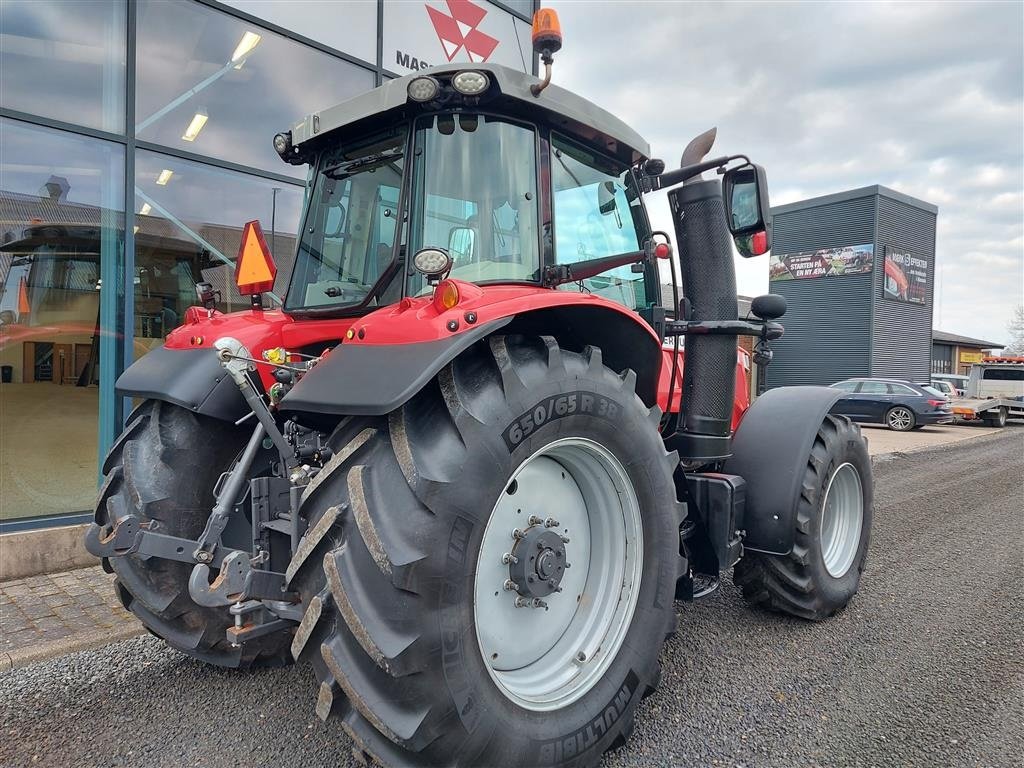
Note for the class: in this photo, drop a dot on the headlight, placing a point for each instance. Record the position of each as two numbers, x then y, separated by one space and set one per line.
432 262
470 83
423 88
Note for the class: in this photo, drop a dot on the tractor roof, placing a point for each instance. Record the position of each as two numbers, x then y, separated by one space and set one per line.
556 106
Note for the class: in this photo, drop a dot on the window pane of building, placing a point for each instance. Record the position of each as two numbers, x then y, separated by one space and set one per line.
210 83
190 218
524 7
60 224
65 60
345 25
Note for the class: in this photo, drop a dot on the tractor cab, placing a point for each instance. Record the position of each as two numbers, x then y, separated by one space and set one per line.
512 187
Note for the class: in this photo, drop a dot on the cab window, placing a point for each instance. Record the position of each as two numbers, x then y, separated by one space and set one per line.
597 213
475 194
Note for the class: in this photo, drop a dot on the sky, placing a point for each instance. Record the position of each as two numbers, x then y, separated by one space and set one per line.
924 98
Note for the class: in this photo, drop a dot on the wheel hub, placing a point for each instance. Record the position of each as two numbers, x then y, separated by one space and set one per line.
538 562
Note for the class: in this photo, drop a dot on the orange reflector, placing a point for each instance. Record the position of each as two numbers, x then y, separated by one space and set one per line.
547 32
255 270
446 295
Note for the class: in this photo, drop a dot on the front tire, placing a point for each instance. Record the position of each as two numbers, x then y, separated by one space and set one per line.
163 469
833 525
399 547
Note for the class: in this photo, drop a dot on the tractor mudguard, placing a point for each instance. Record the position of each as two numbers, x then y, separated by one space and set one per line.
375 379
191 378
770 451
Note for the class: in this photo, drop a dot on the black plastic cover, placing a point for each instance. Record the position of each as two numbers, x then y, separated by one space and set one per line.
770 452
373 380
720 500
191 378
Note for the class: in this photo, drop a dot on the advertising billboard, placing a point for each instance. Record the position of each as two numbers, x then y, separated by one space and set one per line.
823 262
906 276
422 33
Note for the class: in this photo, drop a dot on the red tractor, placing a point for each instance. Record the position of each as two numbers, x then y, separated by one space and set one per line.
452 470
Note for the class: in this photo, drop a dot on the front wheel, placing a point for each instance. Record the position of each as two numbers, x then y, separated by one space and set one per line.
490 571
833 524
900 419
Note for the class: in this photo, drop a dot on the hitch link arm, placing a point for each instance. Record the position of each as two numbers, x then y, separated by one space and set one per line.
225 505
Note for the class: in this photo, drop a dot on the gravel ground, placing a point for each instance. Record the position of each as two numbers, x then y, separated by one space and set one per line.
923 669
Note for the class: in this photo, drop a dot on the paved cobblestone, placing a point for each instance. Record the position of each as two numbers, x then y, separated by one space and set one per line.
53 607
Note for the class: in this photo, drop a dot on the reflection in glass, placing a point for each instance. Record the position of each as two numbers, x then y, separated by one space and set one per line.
61 230
189 230
218 86
65 60
597 214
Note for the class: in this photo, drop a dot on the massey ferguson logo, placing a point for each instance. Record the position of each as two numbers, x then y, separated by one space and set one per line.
459 30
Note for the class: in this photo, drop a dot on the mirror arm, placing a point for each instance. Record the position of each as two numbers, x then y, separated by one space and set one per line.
558 274
687 172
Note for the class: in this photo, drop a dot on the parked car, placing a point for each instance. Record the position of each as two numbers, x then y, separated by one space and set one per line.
958 380
900 405
944 387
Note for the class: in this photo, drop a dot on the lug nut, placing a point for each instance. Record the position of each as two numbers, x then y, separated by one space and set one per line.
551 523
565 539
522 602
534 520
538 603
510 585
508 557
518 534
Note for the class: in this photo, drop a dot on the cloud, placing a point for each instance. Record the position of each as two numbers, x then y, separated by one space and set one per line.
923 98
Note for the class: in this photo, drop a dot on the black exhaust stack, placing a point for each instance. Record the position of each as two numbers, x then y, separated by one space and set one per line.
709 283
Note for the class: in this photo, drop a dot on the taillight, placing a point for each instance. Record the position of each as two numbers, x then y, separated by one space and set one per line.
936 403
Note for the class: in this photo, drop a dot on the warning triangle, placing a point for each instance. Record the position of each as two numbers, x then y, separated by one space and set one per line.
24 307
255 269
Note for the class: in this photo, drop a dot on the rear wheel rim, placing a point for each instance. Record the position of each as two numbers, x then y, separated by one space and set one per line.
842 519
545 658
900 418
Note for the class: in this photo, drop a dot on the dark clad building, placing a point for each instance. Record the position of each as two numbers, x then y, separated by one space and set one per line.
857 269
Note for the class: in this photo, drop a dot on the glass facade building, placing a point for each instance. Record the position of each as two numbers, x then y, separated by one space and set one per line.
135 141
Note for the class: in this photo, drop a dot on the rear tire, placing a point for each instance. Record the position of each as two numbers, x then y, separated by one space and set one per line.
822 572
389 566
900 419
998 420
163 468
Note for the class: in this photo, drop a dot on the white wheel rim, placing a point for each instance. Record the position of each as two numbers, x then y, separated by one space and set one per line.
544 659
842 519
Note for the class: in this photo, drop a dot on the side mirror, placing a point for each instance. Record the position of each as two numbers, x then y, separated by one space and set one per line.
462 243
747 212
606 197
